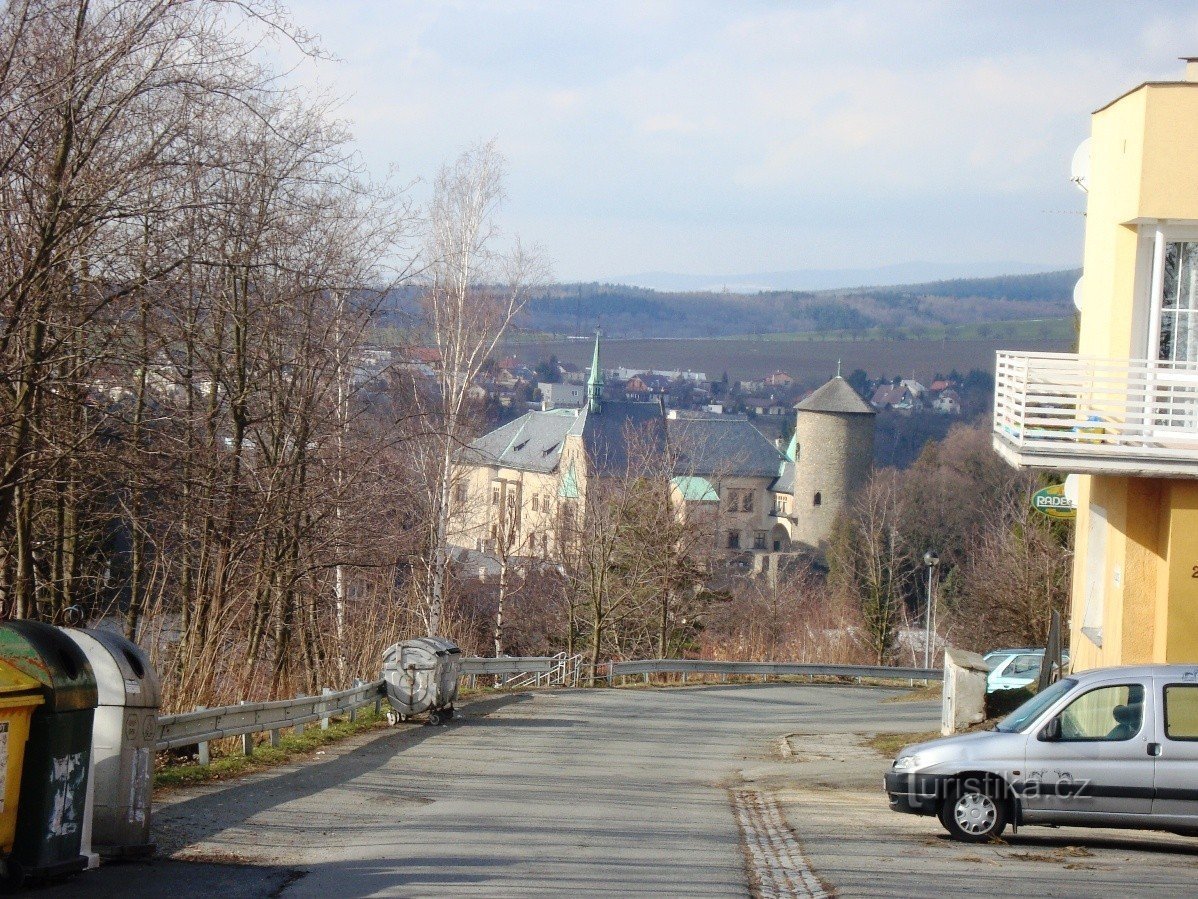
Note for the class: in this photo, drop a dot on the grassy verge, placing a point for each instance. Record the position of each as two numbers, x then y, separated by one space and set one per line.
290 747
888 745
933 692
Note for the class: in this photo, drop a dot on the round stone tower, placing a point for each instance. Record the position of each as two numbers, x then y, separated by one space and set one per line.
833 452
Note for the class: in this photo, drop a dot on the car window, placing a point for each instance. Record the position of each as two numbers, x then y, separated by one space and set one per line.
1108 713
1181 712
1024 665
1031 710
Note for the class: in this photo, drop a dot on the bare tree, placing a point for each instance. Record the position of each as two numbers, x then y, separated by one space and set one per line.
474 290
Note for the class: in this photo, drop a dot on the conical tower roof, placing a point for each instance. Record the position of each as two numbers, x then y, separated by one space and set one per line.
836 396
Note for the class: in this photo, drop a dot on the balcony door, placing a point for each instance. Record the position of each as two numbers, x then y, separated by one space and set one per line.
1173 334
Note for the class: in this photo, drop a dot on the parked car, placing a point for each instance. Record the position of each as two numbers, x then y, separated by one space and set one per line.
1011 669
1113 747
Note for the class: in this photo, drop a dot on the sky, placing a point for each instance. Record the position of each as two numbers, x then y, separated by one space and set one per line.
703 137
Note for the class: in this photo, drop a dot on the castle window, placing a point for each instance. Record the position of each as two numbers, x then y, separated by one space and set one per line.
746 501
759 540
733 500
536 502
818 500
494 494
734 539
459 493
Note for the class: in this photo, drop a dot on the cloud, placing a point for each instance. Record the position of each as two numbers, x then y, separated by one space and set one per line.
700 135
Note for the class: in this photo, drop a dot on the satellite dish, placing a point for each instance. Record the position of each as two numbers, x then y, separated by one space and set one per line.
1077 293
1072 483
1079 169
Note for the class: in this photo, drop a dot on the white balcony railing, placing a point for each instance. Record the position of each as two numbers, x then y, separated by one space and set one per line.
1096 416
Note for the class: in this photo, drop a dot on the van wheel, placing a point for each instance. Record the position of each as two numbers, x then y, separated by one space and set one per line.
973 814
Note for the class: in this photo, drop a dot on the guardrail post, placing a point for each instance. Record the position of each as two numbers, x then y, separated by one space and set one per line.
247 740
275 737
646 677
353 709
324 718
684 678
299 728
202 748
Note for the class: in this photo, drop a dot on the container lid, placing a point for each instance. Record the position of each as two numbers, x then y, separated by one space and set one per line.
13 681
124 675
51 658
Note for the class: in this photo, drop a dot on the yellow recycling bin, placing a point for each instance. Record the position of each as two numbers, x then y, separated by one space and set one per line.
19 696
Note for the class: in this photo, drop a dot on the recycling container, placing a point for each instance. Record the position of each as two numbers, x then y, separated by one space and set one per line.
123 738
50 810
20 694
422 676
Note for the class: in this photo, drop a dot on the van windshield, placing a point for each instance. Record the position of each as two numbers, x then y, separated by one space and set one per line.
1030 710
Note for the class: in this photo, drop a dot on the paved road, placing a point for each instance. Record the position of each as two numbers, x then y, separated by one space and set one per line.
680 792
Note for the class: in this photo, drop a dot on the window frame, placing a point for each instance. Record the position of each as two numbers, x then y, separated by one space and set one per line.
1058 716
1154 248
1165 706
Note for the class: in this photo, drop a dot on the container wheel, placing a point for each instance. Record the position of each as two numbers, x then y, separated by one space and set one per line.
436 718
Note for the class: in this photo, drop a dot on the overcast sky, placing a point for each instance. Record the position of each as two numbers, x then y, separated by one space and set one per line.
738 136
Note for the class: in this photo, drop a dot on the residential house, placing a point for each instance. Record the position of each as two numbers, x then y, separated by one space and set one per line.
1122 412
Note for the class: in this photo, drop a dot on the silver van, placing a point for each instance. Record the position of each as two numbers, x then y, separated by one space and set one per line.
1113 747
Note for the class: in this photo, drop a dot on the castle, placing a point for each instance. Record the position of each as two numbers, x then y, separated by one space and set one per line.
518 482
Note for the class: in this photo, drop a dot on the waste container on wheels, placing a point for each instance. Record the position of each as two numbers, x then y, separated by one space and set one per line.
422 676
50 811
20 694
123 738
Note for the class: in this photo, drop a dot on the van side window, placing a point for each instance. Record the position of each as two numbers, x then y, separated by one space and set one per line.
1108 714
1181 712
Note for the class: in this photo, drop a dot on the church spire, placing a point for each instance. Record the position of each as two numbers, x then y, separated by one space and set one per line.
595 381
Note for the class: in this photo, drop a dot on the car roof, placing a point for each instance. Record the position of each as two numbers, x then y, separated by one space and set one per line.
1184 672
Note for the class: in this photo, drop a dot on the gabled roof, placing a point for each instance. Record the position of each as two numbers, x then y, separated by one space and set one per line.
533 442
835 396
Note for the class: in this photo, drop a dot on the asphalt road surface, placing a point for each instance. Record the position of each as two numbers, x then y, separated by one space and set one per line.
760 790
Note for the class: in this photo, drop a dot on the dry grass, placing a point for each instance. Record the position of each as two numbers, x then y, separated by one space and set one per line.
888 745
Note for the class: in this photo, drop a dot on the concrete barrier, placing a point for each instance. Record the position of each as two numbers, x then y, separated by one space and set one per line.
964 697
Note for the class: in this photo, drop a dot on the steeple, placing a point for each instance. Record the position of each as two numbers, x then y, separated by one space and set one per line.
595 381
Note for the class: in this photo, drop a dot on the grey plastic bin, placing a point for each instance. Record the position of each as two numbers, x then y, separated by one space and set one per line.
123 737
422 676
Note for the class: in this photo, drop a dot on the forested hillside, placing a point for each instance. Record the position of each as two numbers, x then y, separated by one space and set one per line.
638 312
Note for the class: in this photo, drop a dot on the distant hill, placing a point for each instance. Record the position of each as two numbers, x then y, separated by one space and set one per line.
626 311
824 279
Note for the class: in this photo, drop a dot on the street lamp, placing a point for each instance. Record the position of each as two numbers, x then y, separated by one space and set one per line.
931 560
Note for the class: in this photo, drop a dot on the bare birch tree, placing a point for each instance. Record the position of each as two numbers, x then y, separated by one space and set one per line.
474 291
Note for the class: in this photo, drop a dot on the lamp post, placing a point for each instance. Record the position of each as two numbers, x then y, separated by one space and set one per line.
931 560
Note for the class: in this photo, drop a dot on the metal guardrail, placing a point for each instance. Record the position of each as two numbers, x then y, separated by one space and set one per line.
706 666
203 725
510 665
249 718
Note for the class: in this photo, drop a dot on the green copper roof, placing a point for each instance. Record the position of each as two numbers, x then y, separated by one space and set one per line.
595 381
696 489
569 486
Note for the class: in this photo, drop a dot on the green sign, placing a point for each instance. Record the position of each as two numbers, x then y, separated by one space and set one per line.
1053 502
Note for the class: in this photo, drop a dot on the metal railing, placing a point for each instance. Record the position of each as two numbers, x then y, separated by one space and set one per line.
249 718
200 727
686 667
1088 414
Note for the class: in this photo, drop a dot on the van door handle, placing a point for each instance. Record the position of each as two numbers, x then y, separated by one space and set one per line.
1154 750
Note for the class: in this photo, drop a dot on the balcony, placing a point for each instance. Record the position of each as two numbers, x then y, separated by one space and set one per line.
1097 416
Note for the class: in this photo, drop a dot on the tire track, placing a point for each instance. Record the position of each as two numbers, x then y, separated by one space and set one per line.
773 856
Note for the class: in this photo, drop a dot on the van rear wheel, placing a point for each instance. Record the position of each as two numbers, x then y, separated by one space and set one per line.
973 813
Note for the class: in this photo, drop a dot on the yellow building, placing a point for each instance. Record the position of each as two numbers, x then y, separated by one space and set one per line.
1123 411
